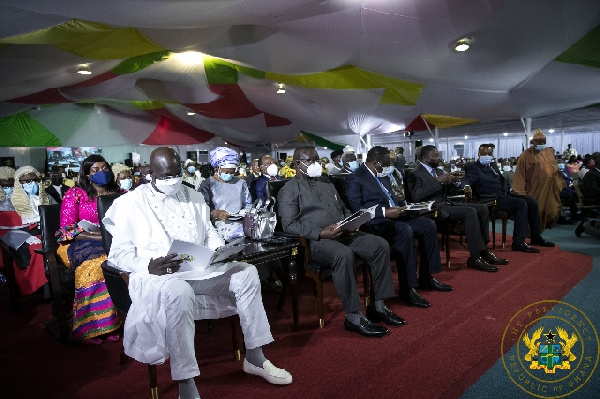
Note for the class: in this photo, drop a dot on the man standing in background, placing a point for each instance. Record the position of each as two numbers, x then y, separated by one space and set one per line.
537 176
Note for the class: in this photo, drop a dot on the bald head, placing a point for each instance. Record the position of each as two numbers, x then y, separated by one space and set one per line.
164 161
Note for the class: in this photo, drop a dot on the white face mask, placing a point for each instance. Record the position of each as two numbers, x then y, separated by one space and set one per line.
353 165
272 170
313 170
126 184
385 172
506 168
170 186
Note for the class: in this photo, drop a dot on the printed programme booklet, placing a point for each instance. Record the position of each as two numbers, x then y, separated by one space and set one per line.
354 221
200 262
420 206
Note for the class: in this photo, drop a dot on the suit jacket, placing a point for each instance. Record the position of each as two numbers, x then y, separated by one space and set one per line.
363 191
306 206
423 186
485 179
590 187
51 191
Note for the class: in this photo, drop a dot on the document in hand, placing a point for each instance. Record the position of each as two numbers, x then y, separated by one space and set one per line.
89 226
199 258
354 221
420 206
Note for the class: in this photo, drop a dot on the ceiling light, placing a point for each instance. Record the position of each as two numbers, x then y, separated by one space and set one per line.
191 113
431 140
281 88
463 44
551 131
190 57
84 69
466 137
505 134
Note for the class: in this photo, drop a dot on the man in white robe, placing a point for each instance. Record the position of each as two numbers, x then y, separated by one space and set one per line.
160 323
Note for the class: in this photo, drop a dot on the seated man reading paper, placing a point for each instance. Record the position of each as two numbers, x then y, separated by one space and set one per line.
160 324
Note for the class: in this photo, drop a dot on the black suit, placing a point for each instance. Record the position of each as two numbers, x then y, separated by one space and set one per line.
363 191
476 218
51 191
590 187
488 180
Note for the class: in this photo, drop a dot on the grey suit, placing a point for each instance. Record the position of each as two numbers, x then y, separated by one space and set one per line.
306 206
424 187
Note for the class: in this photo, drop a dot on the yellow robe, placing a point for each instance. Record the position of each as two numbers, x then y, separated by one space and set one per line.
537 176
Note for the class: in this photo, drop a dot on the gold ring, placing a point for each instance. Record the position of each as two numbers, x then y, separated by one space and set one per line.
169 270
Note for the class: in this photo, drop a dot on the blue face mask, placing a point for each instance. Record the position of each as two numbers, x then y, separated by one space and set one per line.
8 190
353 165
485 159
540 147
101 178
226 176
31 188
506 168
561 166
191 169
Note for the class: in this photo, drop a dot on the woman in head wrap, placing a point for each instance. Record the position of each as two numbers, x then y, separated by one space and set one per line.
94 314
225 193
123 177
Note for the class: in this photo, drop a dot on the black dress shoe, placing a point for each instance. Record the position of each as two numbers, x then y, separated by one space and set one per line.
481 264
579 229
493 259
365 328
433 284
387 316
524 247
412 297
541 241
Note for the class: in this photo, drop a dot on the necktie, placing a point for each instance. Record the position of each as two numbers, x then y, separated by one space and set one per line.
387 193
434 173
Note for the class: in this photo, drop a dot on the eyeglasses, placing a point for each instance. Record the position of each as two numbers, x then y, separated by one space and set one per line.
169 177
310 160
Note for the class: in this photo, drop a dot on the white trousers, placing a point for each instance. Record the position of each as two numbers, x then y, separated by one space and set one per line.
240 285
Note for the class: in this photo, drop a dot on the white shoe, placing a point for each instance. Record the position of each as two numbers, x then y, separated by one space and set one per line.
269 372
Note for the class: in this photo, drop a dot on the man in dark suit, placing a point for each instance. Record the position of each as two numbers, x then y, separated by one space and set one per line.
310 206
427 183
369 187
57 189
268 169
590 184
484 178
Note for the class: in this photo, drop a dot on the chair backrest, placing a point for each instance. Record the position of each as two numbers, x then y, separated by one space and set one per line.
117 287
104 202
49 223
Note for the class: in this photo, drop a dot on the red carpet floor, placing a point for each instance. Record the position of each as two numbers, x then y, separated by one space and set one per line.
439 353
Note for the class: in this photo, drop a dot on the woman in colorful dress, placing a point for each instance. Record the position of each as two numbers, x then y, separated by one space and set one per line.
94 315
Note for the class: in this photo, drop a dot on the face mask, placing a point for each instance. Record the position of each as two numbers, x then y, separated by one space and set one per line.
313 170
506 168
148 177
57 181
540 147
281 163
353 165
226 176
191 169
136 173
485 159
561 166
169 186
8 190
514 168
126 184
272 170
31 188
101 178
387 170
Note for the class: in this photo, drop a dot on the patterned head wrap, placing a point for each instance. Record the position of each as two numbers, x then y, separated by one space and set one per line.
223 157
118 168
20 199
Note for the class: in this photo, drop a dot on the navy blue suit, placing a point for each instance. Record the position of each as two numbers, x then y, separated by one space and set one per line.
363 191
524 209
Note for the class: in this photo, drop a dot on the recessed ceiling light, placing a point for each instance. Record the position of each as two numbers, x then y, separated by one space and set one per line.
505 134
463 44
84 69
466 137
551 131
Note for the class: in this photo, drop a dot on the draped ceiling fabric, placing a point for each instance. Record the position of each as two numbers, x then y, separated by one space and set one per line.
350 68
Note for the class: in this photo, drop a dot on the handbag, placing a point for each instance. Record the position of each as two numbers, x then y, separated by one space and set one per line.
259 221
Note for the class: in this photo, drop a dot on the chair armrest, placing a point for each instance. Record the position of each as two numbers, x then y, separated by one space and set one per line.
307 255
47 251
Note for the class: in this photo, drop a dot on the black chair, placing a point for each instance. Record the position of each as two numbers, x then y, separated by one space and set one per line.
61 280
117 284
315 270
